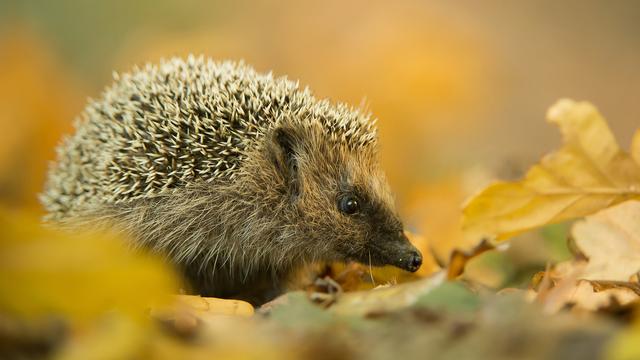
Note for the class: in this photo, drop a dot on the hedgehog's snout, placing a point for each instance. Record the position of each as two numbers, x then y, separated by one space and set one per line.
414 261
410 260
399 252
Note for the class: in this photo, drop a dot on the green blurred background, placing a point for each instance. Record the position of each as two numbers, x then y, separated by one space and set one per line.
460 88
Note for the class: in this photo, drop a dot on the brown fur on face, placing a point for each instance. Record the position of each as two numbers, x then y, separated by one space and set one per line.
325 171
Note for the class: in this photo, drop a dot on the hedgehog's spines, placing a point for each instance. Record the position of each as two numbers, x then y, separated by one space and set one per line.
179 155
156 105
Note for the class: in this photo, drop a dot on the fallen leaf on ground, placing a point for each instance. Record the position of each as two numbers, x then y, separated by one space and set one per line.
451 296
459 259
604 272
589 173
90 286
190 311
625 345
215 306
340 277
79 276
584 295
610 240
384 298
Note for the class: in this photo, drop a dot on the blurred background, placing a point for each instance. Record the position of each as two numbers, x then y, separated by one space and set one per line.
460 88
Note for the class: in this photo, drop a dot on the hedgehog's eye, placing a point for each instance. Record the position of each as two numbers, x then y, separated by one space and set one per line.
349 205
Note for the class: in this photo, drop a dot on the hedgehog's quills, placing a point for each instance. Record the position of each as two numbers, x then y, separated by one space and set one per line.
237 177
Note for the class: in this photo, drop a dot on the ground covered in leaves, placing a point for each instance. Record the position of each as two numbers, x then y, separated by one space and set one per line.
543 267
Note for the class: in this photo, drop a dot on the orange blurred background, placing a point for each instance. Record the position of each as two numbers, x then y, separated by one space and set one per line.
459 88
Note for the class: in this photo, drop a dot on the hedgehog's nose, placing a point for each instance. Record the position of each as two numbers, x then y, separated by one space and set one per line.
415 260
409 258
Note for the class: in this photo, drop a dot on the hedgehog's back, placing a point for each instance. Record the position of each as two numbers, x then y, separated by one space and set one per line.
169 125
163 127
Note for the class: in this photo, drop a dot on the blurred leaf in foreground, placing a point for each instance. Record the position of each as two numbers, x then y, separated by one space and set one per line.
442 320
385 298
451 296
90 284
79 276
189 313
589 173
625 345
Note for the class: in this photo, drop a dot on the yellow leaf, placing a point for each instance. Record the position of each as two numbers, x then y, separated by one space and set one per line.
216 306
589 173
624 345
79 277
114 337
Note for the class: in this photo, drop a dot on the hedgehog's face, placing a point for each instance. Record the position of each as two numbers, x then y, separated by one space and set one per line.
371 232
344 203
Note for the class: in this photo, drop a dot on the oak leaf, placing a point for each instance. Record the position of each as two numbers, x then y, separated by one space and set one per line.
588 173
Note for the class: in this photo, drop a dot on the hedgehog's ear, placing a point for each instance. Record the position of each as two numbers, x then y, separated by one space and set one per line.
284 155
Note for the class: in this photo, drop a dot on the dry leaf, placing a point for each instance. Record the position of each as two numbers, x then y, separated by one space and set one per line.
96 288
190 311
78 277
610 240
385 298
625 345
584 295
605 269
459 259
589 173
216 306
356 276
113 337
559 288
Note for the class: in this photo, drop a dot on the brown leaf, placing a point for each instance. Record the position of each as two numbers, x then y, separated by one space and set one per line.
459 259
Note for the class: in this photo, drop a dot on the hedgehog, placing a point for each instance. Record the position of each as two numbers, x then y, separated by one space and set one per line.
238 178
